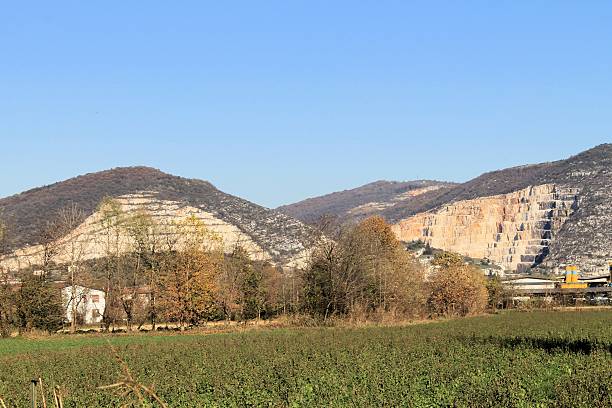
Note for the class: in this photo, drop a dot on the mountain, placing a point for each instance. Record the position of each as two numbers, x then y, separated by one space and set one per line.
535 216
361 202
267 234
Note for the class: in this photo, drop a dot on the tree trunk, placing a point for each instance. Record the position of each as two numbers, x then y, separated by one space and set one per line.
73 296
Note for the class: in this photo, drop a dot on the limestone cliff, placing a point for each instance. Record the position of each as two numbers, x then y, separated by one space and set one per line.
88 240
513 230
538 216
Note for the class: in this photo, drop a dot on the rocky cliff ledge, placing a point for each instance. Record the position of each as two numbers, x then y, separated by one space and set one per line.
514 230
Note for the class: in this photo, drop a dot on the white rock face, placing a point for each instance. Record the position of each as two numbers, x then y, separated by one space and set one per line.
513 230
90 240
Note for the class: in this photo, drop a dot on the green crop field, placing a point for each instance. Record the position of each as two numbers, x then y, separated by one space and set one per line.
512 359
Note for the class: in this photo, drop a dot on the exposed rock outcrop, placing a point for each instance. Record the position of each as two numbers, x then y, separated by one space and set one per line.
514 230
89 239
265 233
569 212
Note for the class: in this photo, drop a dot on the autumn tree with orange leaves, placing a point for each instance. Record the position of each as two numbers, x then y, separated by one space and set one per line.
457 289
190 290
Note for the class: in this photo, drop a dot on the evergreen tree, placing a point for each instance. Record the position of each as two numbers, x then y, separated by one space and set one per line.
39 305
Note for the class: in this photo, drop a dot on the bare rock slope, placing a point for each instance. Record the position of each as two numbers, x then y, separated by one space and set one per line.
543 215
267 234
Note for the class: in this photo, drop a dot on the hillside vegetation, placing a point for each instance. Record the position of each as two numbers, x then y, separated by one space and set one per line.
342 204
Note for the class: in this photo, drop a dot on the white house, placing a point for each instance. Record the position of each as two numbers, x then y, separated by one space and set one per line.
90 303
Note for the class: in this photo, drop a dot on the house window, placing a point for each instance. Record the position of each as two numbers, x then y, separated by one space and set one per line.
95 313
95 298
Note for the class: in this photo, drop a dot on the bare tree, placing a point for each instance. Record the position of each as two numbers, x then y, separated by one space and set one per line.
364 269
111 225
74 249
48 238
146 240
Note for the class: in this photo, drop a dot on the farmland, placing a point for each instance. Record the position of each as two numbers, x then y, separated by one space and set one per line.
512 359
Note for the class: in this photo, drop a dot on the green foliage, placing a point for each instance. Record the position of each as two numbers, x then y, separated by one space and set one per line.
39 305
536 359
7 309
318 284
253 293
496 292
448 260
415 245
249 289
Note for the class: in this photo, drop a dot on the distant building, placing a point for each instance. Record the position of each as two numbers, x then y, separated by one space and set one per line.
596 281
530 283
90 304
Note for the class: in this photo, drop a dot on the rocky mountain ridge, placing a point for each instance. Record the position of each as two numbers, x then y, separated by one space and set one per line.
361 202
268 234
565 205
534 216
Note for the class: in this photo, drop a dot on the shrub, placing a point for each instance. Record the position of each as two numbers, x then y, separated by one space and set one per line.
457 289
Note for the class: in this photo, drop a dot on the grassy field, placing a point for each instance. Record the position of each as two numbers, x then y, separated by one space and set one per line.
513 359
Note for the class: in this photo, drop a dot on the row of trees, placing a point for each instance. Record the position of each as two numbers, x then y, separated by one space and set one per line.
366 271
150 270
186 276
153 270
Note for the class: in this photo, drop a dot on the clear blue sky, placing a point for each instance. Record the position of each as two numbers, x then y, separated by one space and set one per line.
278 101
